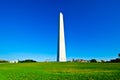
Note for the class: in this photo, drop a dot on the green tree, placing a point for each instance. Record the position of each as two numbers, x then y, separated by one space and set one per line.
93 60
27 61
119 55
3 61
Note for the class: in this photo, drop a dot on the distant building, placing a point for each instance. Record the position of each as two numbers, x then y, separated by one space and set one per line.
79 60
99 61
14 61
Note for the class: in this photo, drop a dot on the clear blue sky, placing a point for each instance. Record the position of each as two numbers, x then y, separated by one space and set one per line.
29 29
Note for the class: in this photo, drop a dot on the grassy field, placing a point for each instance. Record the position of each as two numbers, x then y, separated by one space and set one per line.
60 71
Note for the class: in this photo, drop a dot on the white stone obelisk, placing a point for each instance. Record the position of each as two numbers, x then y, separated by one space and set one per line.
61 57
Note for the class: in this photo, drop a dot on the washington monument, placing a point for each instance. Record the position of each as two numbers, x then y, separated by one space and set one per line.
61 55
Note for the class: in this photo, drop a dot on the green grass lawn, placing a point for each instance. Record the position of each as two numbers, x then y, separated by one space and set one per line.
60 71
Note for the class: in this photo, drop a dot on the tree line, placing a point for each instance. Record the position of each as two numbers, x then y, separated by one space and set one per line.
116 60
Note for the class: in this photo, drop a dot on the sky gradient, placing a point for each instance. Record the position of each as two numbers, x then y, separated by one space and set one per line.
29 29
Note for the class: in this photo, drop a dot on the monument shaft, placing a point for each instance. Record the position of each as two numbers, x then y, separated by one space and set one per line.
61 41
